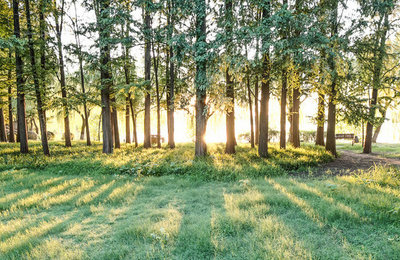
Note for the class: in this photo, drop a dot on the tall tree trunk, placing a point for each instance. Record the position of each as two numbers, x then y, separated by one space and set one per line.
106 78
296 116
3 136
170 71
330 134
21 113
319 139
59 27
147 75
127 120
155 63
282 141
114 117
39 103
256 112
134 123
251 112
379 55
11 137
201 79
230 115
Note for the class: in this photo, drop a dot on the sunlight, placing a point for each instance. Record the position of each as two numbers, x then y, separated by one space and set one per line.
306 208
89 197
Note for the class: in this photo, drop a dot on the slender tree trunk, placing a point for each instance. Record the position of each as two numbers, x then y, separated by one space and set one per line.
376 82
256 112
282 141
170 71
114 117
155 63
59 27
39 103
147 75
376 133
230 115
296 116
3 136
134 123
201 79
251 112
265 90
21 113
11 137
106 79
319 140
127 120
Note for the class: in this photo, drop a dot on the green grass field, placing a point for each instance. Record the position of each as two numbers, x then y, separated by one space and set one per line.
385 150
162 204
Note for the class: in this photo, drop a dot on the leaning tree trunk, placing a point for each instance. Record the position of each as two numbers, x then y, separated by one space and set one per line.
106 79
21 113
376 82
376 133
147 76
155 63
201 79
114 117
134 123
11 137
39 103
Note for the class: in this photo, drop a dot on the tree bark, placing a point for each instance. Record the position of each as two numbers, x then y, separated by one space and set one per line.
114 117
82 137
376 81
319 139
201 78
296 116
39 103
256 112
134 123
147 75
127 120
106 79
59 27
251 112
11 137
155 63
376 133
21 113
170 71
230 115
330 134
3 136
282 141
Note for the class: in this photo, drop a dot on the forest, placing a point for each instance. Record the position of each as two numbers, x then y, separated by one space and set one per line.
194 129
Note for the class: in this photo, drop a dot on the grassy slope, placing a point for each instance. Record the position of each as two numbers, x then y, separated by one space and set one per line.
59 212
385 150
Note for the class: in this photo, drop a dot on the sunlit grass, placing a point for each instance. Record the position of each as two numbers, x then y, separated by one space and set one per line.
59 212
383 149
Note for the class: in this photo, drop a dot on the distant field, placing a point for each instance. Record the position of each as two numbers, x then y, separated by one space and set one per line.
386 150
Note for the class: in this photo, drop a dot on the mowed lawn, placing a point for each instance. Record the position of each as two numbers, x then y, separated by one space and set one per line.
66 208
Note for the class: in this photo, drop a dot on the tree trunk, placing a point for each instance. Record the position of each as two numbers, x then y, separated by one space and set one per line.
170 76
376 133
319 139
265 90
330 134
3 136
296 116
251 112
147 75
82 137
201 79
59 27
114 117
134 123
106 79
376 81
282 141
11 137
39 103
256 112
21 113
155 63
230 115
127 120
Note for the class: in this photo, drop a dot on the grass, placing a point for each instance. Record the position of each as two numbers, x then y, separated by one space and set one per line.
382 149
57 211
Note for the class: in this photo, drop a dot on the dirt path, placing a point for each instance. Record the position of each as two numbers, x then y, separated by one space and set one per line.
350 161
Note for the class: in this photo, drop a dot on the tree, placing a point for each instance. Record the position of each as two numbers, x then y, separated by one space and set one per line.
147 73
201 77
38 91
170 74
21 113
